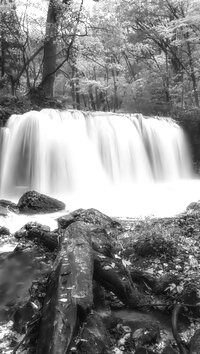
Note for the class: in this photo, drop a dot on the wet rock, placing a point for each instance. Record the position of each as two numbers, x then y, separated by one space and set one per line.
10 206
39 233
33 202
91 216
23 315
148 334
4 231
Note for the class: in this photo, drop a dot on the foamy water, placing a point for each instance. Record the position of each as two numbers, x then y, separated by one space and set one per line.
161 200
123 165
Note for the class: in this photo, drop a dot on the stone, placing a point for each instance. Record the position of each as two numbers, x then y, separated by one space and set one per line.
4 231
40 234
23 315
147 335
90 216
33 202
10 206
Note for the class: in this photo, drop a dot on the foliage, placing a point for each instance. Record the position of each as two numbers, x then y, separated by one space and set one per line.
155 242
135 56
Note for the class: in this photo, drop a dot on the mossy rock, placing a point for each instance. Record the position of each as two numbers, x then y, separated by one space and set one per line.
33 202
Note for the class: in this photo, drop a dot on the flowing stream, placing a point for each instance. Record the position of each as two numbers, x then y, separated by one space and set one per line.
121 164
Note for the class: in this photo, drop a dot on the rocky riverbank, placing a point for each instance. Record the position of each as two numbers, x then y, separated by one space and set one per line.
100 285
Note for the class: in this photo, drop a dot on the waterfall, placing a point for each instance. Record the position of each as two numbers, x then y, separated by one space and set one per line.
91 156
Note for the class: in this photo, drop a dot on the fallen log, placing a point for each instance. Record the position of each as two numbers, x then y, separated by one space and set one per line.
69 295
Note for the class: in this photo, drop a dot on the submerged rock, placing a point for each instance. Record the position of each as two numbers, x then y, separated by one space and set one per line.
33 202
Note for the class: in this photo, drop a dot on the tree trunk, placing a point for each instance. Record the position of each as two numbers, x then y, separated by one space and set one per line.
193 77
49 58
77 92
115 98
92 101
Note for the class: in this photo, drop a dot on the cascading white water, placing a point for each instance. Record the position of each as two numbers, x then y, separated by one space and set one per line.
92 159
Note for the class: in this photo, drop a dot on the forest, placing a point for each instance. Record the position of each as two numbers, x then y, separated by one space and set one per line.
99 204
132 56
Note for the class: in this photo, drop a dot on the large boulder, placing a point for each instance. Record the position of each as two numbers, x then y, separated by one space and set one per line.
90 216
33 202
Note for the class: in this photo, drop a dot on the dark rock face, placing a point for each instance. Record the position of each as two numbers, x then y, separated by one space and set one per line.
33 202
